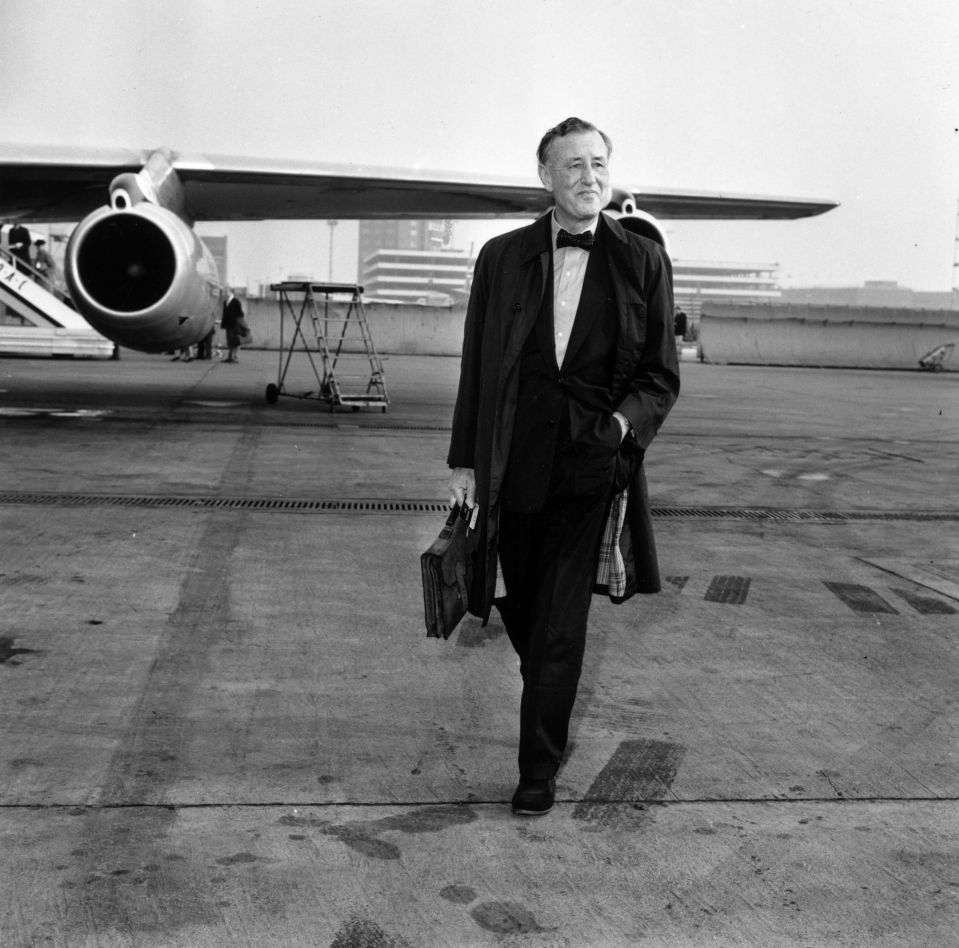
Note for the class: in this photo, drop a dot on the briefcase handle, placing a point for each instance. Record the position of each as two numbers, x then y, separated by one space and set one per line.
457 511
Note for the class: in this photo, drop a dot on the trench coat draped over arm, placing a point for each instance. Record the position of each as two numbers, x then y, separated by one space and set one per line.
508 285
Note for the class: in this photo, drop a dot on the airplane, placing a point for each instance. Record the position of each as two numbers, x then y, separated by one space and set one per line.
140 275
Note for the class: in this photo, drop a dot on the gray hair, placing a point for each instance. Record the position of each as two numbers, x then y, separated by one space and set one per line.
568 127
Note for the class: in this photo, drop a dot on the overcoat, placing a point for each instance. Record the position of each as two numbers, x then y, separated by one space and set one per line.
509 280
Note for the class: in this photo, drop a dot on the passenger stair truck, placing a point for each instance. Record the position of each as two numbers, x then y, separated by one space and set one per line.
37 320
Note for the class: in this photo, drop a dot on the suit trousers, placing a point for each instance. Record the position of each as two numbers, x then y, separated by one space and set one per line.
549 568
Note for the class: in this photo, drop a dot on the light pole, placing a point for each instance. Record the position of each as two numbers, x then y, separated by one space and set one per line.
332 226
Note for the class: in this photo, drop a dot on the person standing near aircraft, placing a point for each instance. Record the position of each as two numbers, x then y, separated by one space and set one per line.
204 348
43 262
20 244
569 368
232 322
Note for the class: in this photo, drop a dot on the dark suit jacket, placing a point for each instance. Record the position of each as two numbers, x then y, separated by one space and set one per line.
510 278
232 311
19 239
565 439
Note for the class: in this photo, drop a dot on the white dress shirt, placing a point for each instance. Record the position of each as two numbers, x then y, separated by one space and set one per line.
569 272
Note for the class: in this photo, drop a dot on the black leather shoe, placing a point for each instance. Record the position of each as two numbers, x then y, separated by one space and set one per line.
534 797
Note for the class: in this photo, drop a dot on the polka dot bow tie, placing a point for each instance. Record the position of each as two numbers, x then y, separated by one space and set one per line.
584 240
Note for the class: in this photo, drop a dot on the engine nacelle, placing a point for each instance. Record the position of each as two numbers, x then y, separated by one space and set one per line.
141 277
639 222
622 206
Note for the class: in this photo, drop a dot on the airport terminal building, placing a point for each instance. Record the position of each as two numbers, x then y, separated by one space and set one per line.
695 283
413 262
425 277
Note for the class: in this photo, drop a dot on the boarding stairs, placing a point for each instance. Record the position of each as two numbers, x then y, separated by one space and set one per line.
350 372
38 319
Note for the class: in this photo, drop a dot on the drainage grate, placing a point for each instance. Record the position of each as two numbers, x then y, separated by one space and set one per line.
750 513
787 515
764 514
225 503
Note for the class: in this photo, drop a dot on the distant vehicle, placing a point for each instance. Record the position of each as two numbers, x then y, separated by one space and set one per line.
936 359
435 299
139 274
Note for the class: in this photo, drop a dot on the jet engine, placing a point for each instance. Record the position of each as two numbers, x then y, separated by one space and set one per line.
140 276
622 206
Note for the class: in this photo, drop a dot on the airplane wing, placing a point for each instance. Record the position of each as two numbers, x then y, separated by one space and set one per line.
41 183
726 206
140 275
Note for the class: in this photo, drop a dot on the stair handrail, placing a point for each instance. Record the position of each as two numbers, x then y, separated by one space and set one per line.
42 281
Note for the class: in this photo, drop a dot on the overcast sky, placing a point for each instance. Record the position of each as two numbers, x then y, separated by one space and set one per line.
857 101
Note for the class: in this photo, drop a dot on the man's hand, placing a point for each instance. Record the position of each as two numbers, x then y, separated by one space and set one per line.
462 487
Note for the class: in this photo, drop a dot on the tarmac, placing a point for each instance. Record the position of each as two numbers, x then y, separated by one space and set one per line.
224 724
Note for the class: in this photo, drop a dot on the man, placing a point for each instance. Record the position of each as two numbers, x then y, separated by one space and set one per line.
43 262
20 244
569 368
232 322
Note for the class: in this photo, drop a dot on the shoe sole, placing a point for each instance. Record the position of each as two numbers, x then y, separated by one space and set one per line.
521 812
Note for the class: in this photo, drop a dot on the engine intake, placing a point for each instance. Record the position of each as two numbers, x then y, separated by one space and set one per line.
142 278
127 263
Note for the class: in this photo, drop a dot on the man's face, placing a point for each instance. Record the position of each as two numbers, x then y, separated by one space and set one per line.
577 173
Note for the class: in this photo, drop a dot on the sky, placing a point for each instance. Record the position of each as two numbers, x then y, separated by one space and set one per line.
852 100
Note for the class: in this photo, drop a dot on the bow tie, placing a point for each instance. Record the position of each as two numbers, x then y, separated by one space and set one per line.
584 240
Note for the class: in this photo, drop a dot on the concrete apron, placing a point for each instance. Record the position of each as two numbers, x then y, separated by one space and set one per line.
226 727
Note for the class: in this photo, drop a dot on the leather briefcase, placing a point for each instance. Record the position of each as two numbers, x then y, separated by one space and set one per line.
447 568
